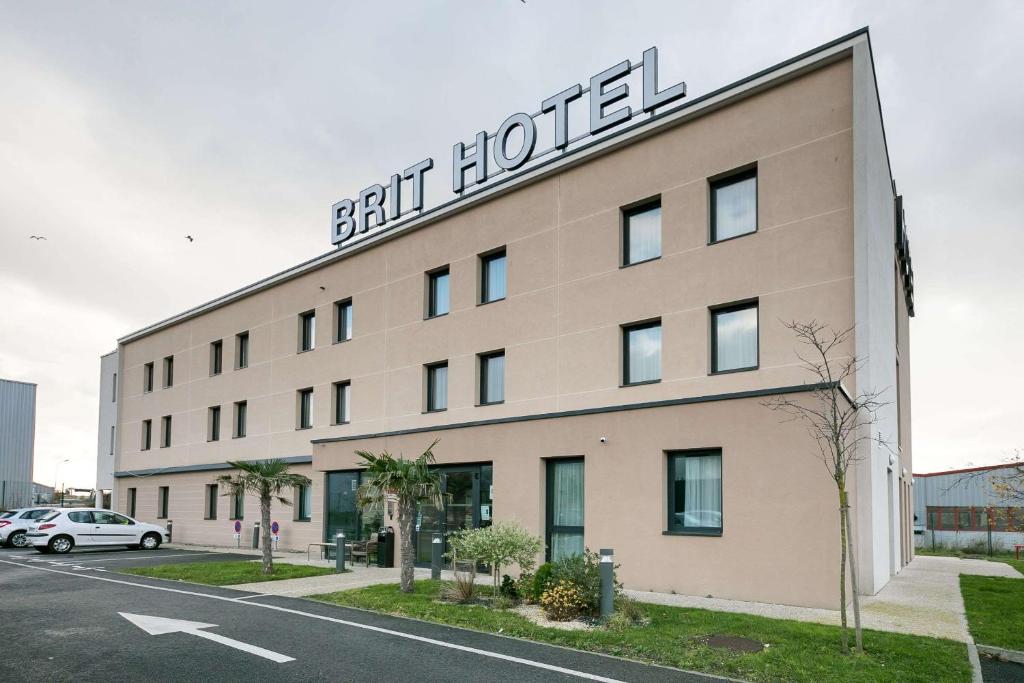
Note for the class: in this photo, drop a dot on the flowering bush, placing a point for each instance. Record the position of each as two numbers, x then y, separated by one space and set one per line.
563 601
502 543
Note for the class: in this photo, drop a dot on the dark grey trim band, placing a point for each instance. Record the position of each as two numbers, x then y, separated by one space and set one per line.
755 393
207 467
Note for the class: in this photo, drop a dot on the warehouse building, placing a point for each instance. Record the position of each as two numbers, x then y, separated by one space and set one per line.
17 442
591 336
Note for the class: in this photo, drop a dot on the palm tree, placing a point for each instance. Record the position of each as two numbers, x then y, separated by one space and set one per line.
412 482
264 479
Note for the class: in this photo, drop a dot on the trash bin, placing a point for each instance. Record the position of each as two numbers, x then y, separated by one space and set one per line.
386 548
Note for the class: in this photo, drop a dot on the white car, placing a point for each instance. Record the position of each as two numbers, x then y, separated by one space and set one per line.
72 527
15 523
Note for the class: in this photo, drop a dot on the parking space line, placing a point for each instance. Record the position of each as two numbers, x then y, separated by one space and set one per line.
116 558
344 622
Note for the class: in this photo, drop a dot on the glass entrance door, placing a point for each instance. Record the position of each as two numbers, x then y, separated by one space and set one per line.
467 505
564 508
342 510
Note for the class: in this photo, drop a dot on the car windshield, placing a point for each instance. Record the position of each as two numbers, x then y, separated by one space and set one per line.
48 518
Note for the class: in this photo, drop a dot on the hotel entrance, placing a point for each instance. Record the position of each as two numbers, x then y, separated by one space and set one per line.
467 504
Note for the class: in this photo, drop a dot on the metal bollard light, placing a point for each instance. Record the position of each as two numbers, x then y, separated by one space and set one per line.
255 535
607 582
170 530
436 552
339 549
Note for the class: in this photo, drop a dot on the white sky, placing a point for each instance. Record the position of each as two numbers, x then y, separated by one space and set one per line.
126 125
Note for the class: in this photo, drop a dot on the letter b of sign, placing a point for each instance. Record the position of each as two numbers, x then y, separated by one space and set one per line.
343 221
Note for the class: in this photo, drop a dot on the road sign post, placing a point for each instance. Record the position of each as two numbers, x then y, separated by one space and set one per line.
238 534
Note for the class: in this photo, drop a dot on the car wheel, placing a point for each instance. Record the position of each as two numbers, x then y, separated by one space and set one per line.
17 540
61 545
150 542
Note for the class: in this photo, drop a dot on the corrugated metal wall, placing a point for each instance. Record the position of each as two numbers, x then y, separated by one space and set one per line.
17 442
958 489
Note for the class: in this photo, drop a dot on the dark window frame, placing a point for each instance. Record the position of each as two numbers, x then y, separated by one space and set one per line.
300 491
148 377
485 260
628 212
430 379
341 408
671 458
624 341
166 428
216 357
482 360
237 506
432 278
242 350
213 418
147 435
212 493
714 311
168 367
132 499
305 408
726 179
343 310
240 420
549 501
307 331
163 502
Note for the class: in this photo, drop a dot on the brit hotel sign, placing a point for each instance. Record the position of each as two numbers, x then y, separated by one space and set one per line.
511 147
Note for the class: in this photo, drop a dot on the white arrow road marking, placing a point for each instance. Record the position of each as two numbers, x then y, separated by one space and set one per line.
156 626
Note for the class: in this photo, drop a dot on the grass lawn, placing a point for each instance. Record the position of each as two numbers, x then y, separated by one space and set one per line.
227 573
798 651
994 607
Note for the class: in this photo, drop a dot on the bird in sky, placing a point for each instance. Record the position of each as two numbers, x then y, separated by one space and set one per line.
36 237
190 238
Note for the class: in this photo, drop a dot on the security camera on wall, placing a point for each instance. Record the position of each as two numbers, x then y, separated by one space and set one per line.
604 439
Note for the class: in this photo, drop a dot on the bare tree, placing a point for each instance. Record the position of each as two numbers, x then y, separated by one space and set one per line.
840 424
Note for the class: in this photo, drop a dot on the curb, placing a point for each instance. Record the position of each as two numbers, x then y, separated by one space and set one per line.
972 656
1002 654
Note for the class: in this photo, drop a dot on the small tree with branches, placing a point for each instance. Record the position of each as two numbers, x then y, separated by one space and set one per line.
840 425
265 479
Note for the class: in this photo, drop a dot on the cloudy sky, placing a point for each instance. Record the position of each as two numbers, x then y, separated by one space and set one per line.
125 126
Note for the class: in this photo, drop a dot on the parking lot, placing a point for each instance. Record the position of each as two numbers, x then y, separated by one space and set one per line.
73 617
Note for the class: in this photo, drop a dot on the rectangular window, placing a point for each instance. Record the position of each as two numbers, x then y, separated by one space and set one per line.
211 501
147 434
113 389
963 520
163 502
981 518
342 392
216 357
492 377
168 372
165 431
564 508
492 276
342 320
241 412
437 387
734 344
131 502
307 331
695 492
734 206
238 506
147 378
213 424
241 350
641 233
112 432
305 408
438 293
303 503
641 353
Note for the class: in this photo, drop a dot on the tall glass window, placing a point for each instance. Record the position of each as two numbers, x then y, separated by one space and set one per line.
437 387
165 433
695 492
307 331
168 372
305 409
342 506
641 353
342 392
238 506
734 343
343 320
304 503
216 357
147 434
492 377
211 501
564 508
734 206
492 277
641 233
147 377
241 350
163 501
241 413
438 294
213 433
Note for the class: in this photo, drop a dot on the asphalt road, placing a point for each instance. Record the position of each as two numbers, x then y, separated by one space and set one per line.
61 619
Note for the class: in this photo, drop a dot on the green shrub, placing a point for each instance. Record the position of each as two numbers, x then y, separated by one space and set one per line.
508 587
584 572
627 613
502 543
524 587
503 602
541 580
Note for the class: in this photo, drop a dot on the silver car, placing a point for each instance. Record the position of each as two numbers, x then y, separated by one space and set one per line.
15 523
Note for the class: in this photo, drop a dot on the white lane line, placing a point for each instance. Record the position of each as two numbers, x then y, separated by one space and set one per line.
344 622
129 557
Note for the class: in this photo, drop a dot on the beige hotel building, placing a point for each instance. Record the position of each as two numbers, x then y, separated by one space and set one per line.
592 342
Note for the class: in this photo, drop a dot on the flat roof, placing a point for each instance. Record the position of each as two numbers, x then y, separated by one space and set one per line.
773 76
964 470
